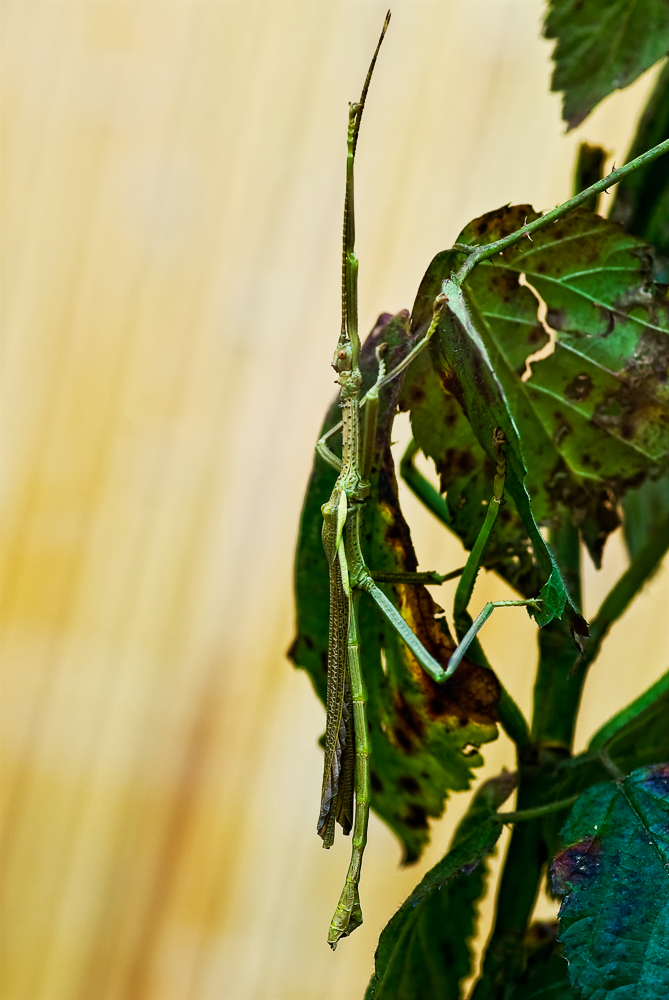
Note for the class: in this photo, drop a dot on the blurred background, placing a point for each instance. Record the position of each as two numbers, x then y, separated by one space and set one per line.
172 183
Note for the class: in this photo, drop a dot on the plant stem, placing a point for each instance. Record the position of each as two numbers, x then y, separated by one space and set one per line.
423 488
477 254
512 721
625 590
613 770
557 694
559 682
536 812
517 893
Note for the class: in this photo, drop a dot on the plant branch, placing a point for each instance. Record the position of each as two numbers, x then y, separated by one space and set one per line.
537 812
612 768
422 487
625 590
512 720
479 253
558 687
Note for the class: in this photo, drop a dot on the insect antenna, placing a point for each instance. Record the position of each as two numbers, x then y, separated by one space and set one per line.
348 348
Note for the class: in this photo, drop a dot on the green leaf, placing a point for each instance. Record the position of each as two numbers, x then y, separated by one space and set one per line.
424 951
645 715
641 202
614 874
637 735
423 735
593 417
602 46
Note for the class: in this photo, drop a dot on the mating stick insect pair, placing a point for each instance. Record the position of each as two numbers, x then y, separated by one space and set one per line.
346 779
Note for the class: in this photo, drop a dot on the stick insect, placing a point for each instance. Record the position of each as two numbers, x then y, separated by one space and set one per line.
346 777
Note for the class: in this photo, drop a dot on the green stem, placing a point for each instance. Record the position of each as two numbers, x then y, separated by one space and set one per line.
477 254
512 720
556 697
625 590
612 768
518 888
462 619
559 680
421 488
536 812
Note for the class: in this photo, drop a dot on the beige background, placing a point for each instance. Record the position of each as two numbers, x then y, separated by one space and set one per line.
172 193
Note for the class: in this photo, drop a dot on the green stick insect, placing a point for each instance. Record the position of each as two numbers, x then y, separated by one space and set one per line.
346 777
346 774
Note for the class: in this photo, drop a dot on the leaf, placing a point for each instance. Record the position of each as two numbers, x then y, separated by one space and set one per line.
645 715
424 950
593 417
637 735
614 874
602 46
641 202
423 735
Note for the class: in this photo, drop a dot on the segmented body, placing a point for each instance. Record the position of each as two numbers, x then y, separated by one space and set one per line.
337 793
338 771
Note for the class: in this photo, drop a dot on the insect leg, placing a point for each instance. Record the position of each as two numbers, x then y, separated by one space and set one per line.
371 414
426 660
476 625
327 455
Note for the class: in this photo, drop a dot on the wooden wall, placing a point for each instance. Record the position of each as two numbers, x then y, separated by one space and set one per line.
172 189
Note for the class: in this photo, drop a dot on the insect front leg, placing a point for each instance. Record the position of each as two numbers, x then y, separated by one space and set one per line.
482 618
327 454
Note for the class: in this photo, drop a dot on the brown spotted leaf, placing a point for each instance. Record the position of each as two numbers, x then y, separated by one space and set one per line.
593 418
424 736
